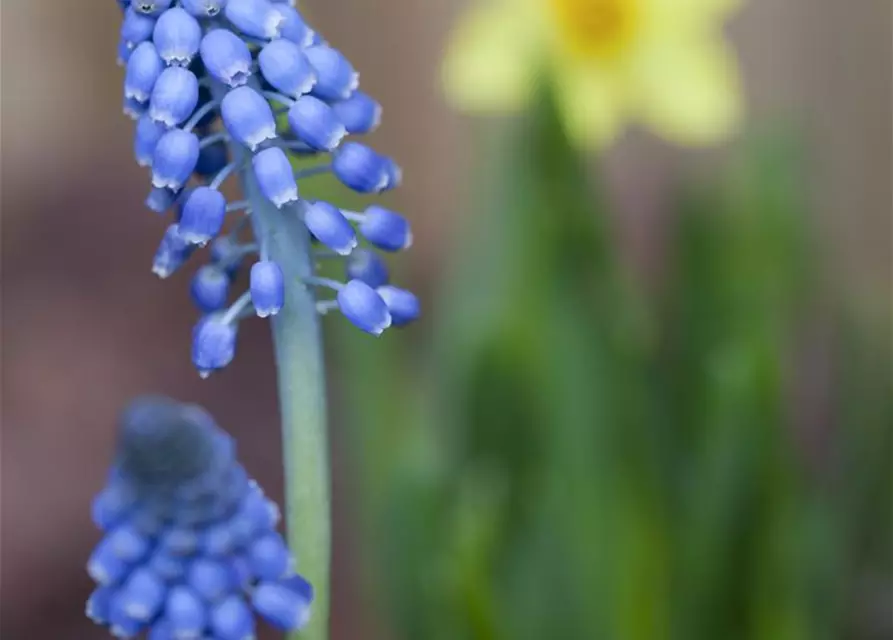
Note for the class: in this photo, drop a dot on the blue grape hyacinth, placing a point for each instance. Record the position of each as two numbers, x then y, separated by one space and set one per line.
222 88
190 547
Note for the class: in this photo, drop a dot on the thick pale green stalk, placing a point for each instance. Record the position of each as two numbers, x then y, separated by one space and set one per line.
302 399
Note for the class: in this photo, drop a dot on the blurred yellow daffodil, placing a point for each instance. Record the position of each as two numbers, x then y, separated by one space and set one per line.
661 63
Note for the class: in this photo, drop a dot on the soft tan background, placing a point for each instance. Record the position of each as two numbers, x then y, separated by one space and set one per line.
86 325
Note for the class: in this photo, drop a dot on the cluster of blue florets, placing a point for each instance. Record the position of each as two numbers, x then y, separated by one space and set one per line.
190 549
277 88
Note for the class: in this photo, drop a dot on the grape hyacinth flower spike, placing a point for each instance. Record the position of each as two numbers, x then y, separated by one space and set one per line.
224 89
190 547
207 81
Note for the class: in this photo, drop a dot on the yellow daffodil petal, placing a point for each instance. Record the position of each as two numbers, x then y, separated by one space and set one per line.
689 89
591 102
668 67
493 55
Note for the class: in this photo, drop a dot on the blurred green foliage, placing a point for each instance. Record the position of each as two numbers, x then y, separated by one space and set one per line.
576 459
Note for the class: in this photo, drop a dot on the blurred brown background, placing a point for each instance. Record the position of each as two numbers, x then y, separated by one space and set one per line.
86 325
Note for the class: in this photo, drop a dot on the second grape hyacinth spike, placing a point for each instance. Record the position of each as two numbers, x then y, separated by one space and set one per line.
190 546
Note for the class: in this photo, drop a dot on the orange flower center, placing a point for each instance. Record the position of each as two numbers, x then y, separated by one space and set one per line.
596 28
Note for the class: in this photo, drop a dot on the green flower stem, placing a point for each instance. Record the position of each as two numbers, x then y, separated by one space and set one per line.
297 342
302 401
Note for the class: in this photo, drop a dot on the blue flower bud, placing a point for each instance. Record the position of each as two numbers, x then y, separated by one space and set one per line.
255 516
212 580
242 572
177 36
122 624
104 566
359 113
286 68
125 50
385 229
293 27
161 630
217 540
203 215
360 168
174 96
233 487
112 504
148 133
143 595
178 541
267 288
315 123
329 226
204 8
213 344
268 557
299 586
185 612
394 174
248 117
285 604
160 199
147 521
150 7
367 266
171 253
210 288
229 483
133 108
256 18
226 57
212 159
232 620
275 176
168 566
174 160
402 305
143 69
360 304
336 79
136 28
128 544
99 604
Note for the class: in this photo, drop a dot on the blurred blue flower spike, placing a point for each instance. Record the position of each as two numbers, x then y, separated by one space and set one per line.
190 547
228 88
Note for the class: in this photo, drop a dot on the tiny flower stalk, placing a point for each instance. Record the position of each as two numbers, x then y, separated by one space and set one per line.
230 88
